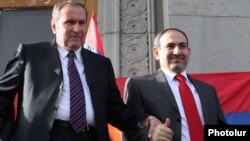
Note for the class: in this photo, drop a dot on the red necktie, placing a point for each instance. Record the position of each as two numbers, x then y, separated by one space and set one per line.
193 119
77 98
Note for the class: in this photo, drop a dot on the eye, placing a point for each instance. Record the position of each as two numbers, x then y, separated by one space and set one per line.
183 45
70 22
170 45
82 22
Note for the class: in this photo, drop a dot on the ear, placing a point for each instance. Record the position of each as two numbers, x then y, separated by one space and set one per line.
189 50
156 53
53 26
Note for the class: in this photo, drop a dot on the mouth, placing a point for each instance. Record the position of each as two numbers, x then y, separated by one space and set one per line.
177 59
75 38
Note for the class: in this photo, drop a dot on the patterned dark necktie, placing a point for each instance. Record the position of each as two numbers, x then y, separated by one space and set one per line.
193 119
77 98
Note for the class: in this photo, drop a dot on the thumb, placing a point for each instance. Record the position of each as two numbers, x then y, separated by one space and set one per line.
167 122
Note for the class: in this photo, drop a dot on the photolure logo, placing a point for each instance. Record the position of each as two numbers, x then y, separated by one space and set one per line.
235 132
220 132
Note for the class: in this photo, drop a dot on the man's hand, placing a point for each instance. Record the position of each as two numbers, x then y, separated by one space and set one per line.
1 139
162 132
151 122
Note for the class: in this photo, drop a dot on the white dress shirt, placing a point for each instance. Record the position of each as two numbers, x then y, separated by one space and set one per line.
63 111
174 85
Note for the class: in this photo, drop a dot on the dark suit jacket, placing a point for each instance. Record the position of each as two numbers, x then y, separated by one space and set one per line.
35 73
152 94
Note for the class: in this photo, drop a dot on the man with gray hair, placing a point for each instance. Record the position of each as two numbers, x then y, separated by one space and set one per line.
65 92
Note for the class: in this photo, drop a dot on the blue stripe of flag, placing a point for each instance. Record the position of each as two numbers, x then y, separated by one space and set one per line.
240 118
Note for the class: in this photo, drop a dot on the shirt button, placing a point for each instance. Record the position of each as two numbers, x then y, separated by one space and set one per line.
55 108
178 120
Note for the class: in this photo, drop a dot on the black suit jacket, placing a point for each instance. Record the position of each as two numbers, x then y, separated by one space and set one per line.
152 94
35 73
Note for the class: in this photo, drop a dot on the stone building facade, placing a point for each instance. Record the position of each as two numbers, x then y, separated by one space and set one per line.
218 31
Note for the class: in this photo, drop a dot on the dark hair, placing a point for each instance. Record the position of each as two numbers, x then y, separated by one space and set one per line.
159 35
58 6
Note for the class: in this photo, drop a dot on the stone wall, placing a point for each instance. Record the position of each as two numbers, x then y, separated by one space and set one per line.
217 30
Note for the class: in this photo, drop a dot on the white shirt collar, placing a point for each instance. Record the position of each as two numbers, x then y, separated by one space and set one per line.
170 75
63 52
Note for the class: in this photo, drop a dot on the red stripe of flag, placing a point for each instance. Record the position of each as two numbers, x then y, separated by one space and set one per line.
233 89
93 39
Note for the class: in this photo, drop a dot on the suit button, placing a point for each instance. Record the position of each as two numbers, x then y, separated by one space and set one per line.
61 86
178 120
55 108
49 131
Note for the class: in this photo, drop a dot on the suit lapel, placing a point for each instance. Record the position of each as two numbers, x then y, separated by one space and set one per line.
88 66
162 84
52 57
89 69
204 103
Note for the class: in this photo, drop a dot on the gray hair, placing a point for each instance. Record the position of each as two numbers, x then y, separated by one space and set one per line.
58 6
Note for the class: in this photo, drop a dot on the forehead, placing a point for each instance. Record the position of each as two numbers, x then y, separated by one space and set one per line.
73 10
173 36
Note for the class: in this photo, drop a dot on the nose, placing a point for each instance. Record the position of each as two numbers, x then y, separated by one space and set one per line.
176 50
77 28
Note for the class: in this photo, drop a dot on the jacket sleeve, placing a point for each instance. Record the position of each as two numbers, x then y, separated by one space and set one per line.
132 99
9 84
122 116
